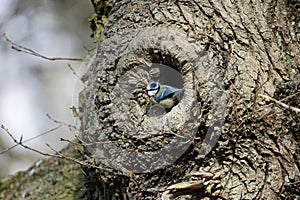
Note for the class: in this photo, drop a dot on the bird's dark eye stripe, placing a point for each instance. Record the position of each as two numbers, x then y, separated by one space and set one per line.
151 89
153 85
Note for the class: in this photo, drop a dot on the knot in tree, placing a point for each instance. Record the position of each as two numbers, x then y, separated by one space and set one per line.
122 129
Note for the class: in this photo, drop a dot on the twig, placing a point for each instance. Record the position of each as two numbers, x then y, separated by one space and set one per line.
93 143
74 72
62 123
44 133
20 143
57 155
74 112
291 96
34 53
280 103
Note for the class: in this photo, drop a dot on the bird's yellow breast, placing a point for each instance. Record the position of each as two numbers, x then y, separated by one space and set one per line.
165 103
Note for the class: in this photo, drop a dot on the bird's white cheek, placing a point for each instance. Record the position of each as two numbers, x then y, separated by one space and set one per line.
152 92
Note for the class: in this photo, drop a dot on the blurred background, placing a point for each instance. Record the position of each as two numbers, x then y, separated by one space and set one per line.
31 87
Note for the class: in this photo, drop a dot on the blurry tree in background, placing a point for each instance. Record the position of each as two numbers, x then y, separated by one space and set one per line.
31 87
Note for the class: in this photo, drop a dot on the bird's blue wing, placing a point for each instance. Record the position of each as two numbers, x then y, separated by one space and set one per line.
167 92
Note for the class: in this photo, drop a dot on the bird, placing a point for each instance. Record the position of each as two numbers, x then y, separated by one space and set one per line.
163 95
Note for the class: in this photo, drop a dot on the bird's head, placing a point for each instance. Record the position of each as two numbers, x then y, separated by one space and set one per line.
153 88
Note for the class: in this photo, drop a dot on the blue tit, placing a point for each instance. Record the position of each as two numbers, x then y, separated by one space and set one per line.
163 95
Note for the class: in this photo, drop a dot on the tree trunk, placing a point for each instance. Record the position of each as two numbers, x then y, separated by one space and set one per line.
226 139
229 142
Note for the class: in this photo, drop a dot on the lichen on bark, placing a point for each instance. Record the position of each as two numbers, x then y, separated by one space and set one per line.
47 179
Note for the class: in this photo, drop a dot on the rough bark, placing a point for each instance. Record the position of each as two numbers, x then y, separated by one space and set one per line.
252 46
47 179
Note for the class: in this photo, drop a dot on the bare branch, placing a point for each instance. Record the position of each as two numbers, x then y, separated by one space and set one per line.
57 155
280 103
34 53
62 123
93 143
73 71
44 133
74 112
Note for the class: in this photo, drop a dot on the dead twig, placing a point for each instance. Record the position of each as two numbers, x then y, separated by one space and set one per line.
62 123
57 155
74 72
280 103
34 53
20 141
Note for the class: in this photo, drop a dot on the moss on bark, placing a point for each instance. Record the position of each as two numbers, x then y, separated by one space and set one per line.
51 178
